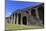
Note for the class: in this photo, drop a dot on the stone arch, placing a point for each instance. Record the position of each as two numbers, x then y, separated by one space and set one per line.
24 20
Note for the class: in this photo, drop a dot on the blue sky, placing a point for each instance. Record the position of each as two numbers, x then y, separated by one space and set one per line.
14 5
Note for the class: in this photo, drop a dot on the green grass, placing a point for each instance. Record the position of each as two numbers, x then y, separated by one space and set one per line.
21 27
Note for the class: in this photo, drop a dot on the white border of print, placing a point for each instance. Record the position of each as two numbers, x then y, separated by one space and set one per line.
2 15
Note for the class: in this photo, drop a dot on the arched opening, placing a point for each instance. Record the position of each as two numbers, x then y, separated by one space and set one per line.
33 12
24 20
19 18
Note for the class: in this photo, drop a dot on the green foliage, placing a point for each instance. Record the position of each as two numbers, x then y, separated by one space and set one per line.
21 27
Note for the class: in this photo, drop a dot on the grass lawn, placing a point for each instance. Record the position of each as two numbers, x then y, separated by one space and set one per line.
21 27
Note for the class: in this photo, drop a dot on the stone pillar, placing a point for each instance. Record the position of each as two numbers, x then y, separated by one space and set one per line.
27 20
17 20
21 19
11 19
6 21
37 15
30 12
14 19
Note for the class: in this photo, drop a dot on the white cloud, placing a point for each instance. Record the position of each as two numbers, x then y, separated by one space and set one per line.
9 13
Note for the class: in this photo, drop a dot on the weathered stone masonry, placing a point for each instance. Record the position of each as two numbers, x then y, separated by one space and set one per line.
34 15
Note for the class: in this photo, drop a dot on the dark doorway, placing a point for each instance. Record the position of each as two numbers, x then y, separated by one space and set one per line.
33 12
19 18
24 20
